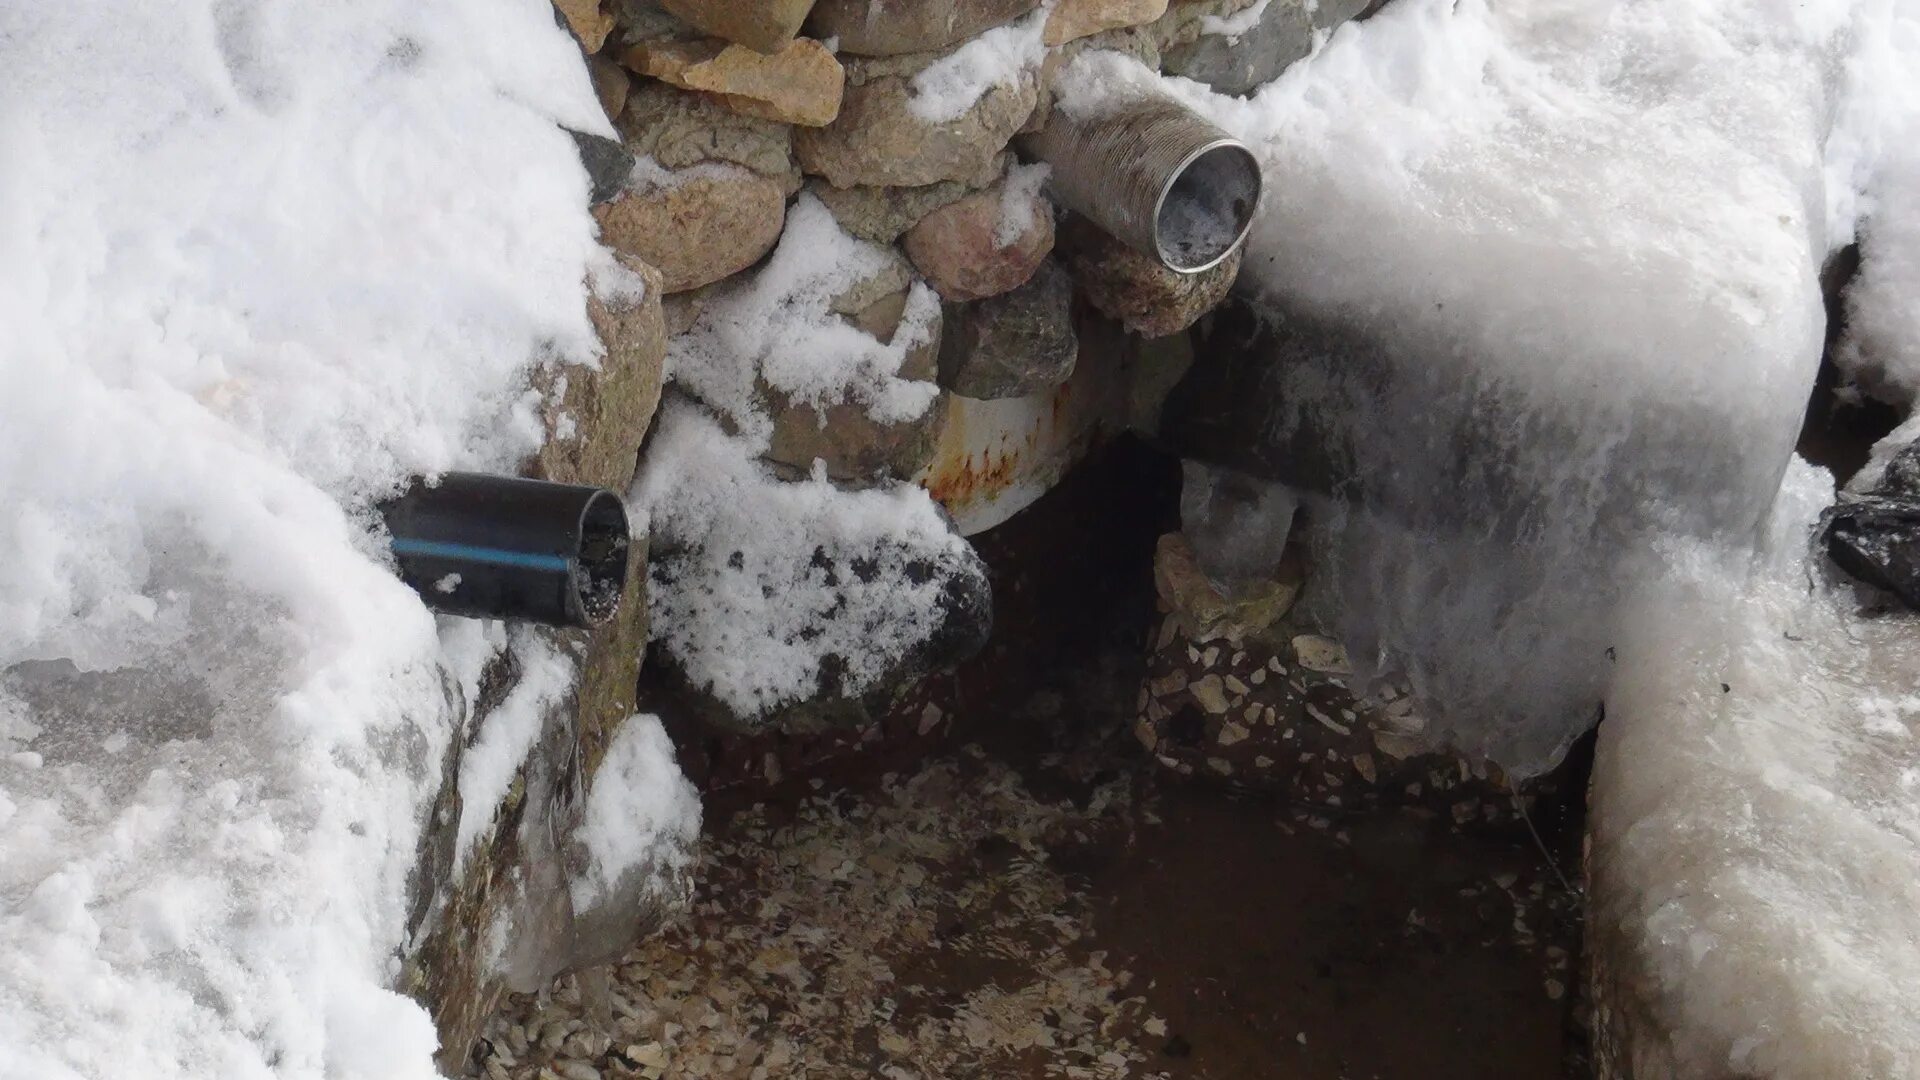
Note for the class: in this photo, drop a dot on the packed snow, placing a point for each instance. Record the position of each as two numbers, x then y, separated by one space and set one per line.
763 591
260 262
507 734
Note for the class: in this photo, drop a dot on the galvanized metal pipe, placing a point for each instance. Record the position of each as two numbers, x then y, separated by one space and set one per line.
1156 175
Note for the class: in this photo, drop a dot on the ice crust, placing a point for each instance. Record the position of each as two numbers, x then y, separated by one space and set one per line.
260 261
1580 242
1756 852
1610 218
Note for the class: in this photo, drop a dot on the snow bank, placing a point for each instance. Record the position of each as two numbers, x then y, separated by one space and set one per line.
259 261
1756 855
1583 239
767 593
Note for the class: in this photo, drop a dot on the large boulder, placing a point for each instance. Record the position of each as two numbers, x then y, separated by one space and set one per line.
516 882
773 598
1012 345
895 27
696 226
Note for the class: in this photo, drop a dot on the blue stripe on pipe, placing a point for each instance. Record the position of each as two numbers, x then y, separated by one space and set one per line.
440 549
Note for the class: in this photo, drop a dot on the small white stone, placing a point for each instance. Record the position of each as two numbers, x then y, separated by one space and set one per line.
1321 654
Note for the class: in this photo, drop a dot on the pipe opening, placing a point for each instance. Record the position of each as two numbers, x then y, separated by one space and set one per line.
1206 209
602 562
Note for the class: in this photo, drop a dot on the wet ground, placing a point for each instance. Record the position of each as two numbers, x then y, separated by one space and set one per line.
1031 896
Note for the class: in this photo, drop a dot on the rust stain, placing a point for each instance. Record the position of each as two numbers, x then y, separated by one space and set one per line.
973 477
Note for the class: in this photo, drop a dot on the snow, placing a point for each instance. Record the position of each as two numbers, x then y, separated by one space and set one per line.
1882 345
1582 240
641 813
507 735
1018 197
950 86
777 326
763 589
1232 26
1608 220
260 261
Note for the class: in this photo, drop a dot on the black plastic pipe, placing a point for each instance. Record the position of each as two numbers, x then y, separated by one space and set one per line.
499 547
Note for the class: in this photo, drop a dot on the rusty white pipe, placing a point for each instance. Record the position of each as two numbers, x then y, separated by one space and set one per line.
1156 175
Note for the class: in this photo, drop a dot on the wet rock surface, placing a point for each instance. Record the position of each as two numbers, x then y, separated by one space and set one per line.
1875 537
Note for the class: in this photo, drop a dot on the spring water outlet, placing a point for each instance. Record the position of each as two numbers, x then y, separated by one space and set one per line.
500 547
1156 175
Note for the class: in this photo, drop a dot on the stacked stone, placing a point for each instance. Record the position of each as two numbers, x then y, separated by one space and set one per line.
729 110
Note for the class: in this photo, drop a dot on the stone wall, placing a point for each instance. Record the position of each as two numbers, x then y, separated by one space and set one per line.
731 113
